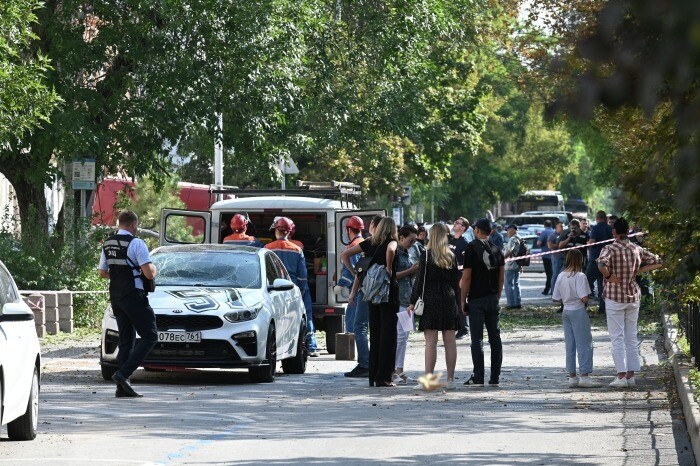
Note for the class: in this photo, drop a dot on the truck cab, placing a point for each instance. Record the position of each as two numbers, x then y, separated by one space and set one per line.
319 214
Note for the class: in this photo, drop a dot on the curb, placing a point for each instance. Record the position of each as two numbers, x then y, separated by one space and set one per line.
681 368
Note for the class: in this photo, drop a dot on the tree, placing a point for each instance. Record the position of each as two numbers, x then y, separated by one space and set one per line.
26 99
136 77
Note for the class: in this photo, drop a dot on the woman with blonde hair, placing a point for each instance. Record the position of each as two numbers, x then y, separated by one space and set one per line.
572 290
381 247
438 285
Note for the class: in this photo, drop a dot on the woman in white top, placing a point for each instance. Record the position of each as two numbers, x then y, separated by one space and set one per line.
572 290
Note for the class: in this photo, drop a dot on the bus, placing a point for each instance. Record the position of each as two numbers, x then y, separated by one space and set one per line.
577 206
539 200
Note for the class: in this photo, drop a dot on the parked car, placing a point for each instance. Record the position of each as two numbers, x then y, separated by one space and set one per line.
536 264
20 362
220 306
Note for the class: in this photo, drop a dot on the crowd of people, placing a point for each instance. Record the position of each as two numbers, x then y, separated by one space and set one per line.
458 277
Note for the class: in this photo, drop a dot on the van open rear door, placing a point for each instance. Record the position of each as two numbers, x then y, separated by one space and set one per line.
342 240
179 226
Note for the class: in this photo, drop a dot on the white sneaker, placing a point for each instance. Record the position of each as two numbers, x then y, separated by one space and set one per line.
418 386
399 379
631 382
450 385
587 382
619 383
573 382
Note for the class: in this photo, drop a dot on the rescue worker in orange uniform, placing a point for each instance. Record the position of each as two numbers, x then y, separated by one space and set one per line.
292 256
239 225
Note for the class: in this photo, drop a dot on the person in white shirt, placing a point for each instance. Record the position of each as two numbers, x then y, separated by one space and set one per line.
572 290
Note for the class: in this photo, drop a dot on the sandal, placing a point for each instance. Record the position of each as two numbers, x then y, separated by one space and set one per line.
399 379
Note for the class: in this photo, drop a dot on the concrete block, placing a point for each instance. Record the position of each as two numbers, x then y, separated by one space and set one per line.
345 346
52 328
65 313
51 314
40 330
39 316
65 298
66 326
50 298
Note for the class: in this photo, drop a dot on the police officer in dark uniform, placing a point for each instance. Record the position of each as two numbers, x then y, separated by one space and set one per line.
125 261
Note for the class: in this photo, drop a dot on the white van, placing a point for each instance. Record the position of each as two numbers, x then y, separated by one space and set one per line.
320 226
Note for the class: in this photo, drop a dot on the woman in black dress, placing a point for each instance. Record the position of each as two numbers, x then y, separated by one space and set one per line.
381 247
438 268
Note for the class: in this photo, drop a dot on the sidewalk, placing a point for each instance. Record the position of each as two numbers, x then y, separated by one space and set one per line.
532 417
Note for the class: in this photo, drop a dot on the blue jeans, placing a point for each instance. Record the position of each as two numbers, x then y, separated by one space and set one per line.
133 312
577 335
311 344
513 287
485 311
557 265
357 322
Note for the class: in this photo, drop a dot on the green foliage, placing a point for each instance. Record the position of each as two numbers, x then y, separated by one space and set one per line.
40 263
26 99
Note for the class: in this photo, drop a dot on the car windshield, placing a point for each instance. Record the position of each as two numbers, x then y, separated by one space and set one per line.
207 268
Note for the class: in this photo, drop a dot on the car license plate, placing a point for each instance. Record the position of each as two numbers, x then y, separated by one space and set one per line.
179 337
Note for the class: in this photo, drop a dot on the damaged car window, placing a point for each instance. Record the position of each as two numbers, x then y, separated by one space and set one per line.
207 268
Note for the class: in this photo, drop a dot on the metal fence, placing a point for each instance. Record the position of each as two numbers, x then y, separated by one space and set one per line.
689 319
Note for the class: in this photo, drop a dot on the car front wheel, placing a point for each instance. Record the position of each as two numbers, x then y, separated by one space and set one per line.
266 373
297 364
24 427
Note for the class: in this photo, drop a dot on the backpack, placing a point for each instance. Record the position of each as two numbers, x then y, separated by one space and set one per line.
523 250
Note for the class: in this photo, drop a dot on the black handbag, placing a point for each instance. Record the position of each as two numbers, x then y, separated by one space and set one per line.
363 264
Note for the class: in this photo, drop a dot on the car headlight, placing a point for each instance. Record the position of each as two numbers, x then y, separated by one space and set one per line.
242 315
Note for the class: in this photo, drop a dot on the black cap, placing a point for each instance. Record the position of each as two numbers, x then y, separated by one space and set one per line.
484 225
513 226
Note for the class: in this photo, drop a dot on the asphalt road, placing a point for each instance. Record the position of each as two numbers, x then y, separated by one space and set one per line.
218 417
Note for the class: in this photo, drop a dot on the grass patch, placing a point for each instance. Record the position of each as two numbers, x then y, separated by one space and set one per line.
530 317
78 334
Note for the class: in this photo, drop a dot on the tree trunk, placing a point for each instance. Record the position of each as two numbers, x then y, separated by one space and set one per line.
32 209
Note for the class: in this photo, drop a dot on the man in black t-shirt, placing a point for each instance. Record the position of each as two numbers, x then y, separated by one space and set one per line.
482 285
458 244
574 236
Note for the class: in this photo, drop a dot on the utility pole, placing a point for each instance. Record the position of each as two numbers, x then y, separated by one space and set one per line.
219 154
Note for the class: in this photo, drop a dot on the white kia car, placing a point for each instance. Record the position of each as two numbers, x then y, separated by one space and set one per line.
20 362
220 306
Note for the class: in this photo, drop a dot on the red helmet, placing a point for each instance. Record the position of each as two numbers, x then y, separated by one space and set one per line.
238 222
356 223
284 224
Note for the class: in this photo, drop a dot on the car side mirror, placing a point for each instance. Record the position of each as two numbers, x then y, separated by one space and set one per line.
16 312
281 284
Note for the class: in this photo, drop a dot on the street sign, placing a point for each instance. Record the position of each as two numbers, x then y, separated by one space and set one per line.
86 185
287 166
84 170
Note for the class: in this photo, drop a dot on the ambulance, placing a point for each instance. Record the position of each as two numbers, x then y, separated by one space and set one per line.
319 211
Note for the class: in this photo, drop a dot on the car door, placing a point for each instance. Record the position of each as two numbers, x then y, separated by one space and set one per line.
16 350
294 305
179 226
278 299
342 240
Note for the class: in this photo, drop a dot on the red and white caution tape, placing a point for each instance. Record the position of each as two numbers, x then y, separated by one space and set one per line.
580 246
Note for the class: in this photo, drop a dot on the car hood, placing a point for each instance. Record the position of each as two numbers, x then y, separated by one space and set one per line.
203 299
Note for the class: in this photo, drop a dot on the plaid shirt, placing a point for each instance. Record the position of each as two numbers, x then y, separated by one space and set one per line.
624 260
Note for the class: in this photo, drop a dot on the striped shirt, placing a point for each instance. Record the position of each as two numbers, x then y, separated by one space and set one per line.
624 259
